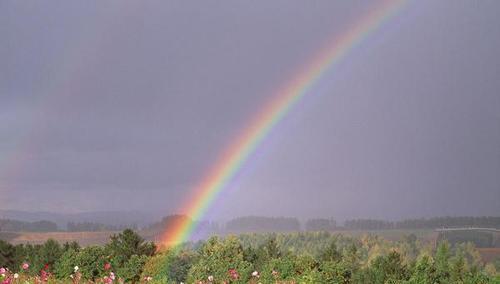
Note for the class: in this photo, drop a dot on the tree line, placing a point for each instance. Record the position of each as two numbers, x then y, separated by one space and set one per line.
9 225
303 257
264 224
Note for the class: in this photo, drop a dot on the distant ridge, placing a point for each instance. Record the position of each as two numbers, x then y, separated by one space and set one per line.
139 218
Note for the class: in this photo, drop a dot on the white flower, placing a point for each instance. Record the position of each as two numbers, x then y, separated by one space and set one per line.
112 275
76 268
210 278
255 274
71 276
16 275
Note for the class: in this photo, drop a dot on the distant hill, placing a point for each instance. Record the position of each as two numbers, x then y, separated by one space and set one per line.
116 218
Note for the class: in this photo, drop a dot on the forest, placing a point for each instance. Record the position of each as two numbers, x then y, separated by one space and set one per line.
263 224
302 257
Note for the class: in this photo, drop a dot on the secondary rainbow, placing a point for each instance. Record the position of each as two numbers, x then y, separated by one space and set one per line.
235 156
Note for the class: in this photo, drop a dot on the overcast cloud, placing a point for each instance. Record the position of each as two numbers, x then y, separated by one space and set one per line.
125 105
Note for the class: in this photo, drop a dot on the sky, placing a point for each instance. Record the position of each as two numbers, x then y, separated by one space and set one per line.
125 105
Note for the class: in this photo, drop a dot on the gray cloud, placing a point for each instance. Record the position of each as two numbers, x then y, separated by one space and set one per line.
133 102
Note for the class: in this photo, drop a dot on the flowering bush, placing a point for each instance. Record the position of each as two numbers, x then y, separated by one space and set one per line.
223 260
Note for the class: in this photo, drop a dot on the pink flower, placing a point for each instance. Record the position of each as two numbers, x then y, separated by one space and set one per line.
2 270
26 266
107 266
44 275
234 274
112 276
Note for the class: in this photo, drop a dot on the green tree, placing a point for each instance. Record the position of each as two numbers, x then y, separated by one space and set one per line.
49 253
91 261
131 271
217 258
65 265
442 263
126 244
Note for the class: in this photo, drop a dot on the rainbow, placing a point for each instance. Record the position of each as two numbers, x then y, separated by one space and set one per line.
235 156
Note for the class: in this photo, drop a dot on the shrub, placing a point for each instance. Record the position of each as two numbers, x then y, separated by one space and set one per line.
64 267
91 261
222 260
131 270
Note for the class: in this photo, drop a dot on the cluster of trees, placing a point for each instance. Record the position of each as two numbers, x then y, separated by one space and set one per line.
21 226
303 257
281 258
95 227
287 224
125 254
263 224
320 225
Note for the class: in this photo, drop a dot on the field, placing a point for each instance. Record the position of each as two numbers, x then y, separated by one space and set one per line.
83 238
489 254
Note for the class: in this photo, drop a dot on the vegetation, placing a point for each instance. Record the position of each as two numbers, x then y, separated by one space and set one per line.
306 257
94 227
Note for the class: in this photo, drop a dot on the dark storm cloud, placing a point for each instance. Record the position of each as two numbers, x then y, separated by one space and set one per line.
110 104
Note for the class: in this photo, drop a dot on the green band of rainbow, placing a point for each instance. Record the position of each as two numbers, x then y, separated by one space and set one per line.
286 98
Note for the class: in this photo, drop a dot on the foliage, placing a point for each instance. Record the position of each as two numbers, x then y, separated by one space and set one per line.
314 257
131 270
91 262
127 244
64 267
217 258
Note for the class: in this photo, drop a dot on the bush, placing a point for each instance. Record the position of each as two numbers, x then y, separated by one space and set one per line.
131 271
222 260
91 261
170 266
65 266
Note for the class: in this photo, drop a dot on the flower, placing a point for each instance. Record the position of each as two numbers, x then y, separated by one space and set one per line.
44 275
210 278
149 278
107 266
233 274
76 268
16 275
26 266
2 270
112 276
255 274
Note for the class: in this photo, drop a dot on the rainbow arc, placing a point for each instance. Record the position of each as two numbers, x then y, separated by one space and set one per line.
237 154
